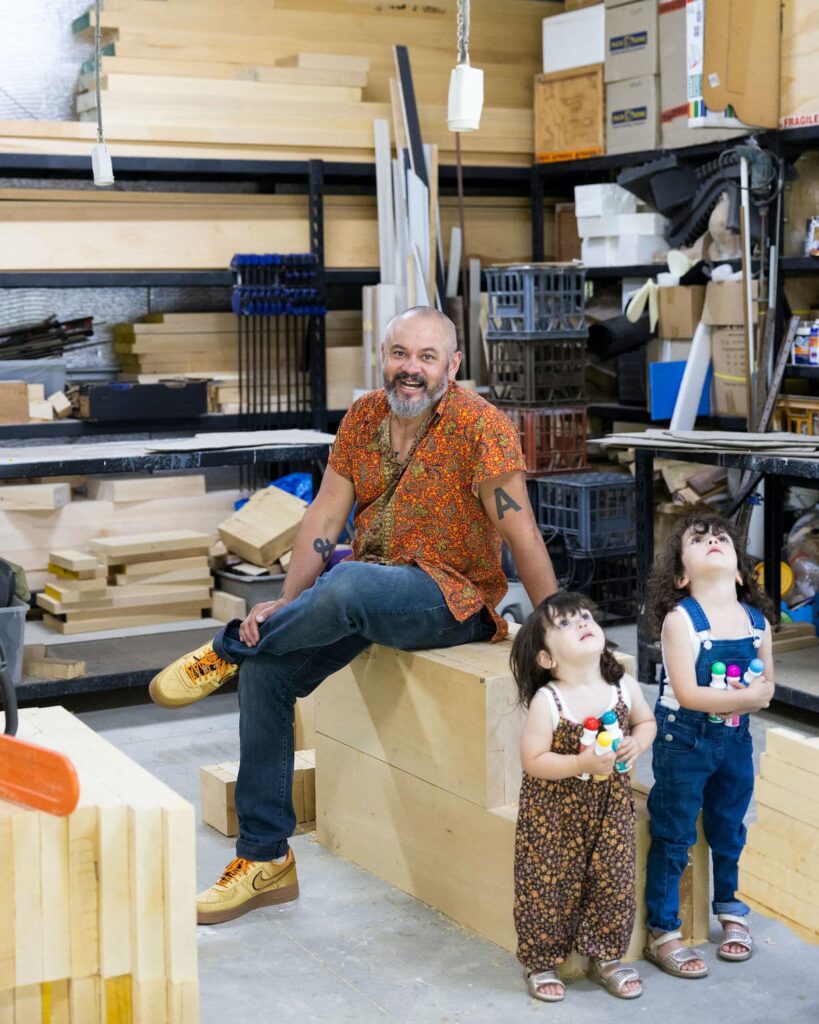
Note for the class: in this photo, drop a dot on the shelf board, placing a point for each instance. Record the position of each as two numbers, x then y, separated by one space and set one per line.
157 278
639 414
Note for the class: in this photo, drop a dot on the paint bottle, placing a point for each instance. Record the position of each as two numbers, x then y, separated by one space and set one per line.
752 672
733 677
717 683
619 766
602 745
590 727
612 726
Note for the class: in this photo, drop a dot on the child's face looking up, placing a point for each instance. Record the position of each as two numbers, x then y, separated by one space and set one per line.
705 554
572 639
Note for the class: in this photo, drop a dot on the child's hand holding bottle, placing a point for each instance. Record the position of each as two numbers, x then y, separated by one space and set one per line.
595 764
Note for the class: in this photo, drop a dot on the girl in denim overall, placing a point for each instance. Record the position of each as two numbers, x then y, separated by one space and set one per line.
574 844
703 596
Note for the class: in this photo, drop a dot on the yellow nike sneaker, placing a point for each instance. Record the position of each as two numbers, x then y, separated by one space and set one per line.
191 678
246 885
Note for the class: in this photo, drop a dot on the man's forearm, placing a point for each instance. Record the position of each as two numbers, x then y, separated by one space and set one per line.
312 548
535 568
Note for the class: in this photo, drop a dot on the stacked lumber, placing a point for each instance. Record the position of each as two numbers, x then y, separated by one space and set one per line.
779 868
264 527
137 506
217 788
343 330
417 778
176 343
98 908
139 580
203 231
296 80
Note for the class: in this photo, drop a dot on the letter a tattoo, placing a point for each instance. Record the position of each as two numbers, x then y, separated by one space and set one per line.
323 548
504 503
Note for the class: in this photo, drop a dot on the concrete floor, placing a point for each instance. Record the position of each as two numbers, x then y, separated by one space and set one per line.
353 948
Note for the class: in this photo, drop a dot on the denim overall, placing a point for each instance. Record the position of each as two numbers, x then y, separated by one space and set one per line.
700 764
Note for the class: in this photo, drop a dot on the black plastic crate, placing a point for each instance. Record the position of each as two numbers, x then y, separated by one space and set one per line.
592 512
530 299
609 580
544 372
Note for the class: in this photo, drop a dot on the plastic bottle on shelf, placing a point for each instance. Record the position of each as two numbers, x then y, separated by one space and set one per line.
590 727
717 683
801 344
813 344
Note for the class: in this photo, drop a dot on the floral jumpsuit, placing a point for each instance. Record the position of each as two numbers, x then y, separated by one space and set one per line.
574 860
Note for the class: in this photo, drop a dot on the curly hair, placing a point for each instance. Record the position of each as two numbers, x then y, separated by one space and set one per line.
663 594
531 640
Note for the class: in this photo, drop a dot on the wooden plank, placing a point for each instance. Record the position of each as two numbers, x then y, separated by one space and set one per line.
166 579
13 401
28 1007
225 606
383 182
53 668
786 776
55 1002
793 748
305 722
123 619
265 527
135 570
33 497
74 561
7 903
84 997
800 859
169 88
118 599
142 488
179 894
802 807
150 547
28 902
70 589
83 892
54 889
766 892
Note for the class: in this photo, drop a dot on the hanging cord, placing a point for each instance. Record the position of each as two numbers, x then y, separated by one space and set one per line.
97 61
463 31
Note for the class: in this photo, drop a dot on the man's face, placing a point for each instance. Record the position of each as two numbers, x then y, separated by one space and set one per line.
416 369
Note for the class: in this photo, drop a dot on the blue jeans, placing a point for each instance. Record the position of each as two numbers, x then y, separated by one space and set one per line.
324 629
696 765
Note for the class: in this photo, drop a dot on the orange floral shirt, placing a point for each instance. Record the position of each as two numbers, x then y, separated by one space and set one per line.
427 512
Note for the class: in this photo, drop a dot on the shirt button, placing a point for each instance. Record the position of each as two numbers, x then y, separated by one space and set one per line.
672 718
668 737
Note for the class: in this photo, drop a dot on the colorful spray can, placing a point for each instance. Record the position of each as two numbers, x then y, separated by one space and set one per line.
602 745
619 766
754 669
590 727
717 683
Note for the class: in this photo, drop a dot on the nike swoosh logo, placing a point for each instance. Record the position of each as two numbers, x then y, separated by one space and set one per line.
264 880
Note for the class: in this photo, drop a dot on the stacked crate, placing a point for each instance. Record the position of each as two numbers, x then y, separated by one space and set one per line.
593 514
536 337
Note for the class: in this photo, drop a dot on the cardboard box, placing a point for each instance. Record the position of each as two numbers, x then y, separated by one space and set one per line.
674 127
632 46
680 311
574 39
799 70
668 350
723 306
633 115
569 114
567 240
729 395
699 115
741 59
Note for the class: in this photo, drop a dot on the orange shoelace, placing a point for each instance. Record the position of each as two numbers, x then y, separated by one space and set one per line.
237 867
204 666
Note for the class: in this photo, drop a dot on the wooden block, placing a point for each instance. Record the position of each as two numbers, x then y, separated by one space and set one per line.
782 878
785 776
84 999
150 547
117 599
56 1008
117 998
448 716
28 903
179 886
53 668
802 807
305 722
165 579
54 888
136 570
83 892
801 858
768 894
60 404
33 497
265 527
217 786
36 393
793 748
7 934
226 606
13 401
69 585
142 488
74 561
40 411
124 619
28 1006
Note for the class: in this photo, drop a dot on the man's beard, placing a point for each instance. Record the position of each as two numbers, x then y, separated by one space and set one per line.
408 408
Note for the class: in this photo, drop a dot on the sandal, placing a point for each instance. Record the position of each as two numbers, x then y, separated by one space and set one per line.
741 937
534 979
617 980
672 963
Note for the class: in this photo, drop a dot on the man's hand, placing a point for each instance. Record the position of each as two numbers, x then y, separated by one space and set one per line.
259 613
